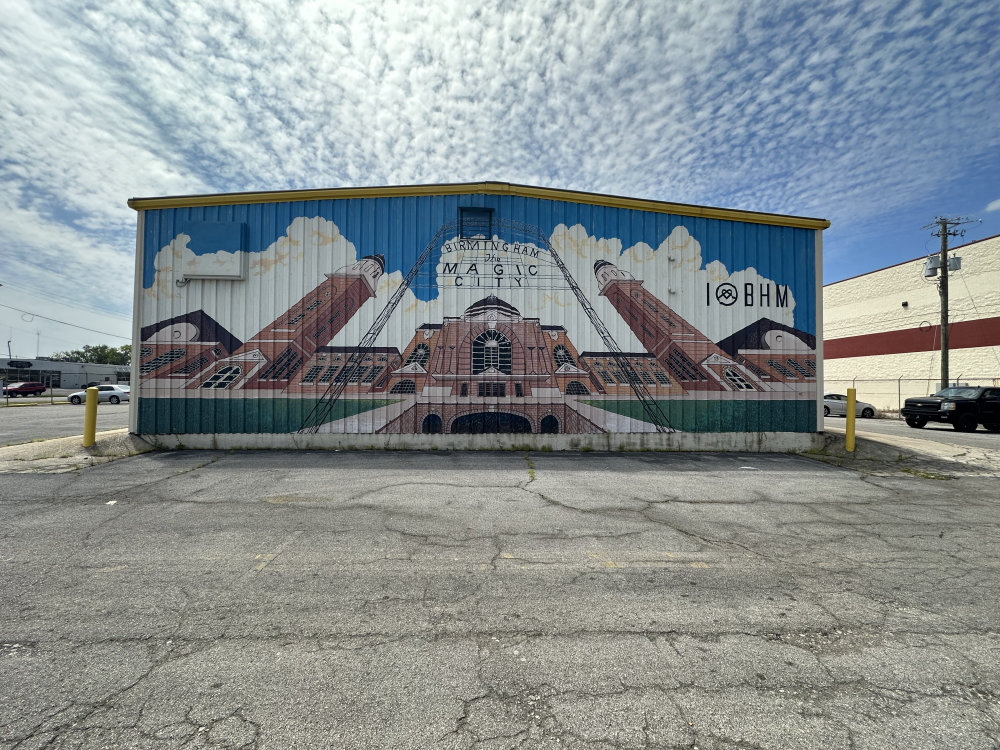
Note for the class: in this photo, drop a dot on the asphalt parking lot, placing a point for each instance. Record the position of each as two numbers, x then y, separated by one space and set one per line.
500 600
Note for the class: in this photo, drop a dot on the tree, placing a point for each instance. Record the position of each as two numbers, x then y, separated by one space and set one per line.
102 354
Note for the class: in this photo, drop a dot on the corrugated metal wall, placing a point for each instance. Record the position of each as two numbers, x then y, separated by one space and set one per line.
254 320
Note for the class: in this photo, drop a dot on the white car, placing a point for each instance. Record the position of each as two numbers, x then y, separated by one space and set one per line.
835 404
109 392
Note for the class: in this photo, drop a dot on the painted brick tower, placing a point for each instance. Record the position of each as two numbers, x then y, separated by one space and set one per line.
694 360
270 358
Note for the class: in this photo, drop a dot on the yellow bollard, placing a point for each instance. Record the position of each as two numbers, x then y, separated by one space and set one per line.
90 418
852 398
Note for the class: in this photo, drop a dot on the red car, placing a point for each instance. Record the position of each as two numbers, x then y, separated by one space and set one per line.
24 389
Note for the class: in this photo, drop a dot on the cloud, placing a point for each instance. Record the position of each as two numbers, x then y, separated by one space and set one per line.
44 253
994 205
785 107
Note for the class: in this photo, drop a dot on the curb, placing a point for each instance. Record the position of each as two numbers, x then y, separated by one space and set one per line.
34 403
68 454
877 453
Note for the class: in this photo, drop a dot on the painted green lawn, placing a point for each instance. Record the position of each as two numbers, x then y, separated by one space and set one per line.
691 415
169 416
164 416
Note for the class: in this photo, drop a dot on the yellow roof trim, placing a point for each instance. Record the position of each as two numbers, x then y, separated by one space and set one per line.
489 188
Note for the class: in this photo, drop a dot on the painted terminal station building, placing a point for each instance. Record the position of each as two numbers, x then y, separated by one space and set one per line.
475 315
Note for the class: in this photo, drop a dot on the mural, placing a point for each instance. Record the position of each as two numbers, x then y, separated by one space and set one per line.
484 325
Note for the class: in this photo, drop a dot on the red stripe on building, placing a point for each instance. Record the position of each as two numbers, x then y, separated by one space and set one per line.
966 334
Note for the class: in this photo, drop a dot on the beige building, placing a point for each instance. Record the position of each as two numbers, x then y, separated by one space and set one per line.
882 332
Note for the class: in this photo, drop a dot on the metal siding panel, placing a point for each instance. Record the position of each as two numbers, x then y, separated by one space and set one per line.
817 256
398 227
140 234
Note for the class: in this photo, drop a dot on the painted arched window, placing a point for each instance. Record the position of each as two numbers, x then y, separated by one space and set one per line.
549 425
420 354
223 377
404 386
491 349
431 425
576 388
562 356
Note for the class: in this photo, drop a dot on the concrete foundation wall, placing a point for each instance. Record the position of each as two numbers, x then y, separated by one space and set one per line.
763 442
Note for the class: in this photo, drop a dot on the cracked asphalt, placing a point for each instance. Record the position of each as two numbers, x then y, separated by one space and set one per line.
498 600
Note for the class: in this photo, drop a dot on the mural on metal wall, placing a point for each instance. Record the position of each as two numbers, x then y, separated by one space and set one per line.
494 326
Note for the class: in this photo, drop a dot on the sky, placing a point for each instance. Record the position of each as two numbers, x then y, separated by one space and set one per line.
876 115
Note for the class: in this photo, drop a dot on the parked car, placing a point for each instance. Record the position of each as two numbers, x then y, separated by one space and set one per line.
24 389
835 404
963 407
109 392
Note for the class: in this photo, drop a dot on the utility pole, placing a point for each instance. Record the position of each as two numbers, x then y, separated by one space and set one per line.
943 291
945 228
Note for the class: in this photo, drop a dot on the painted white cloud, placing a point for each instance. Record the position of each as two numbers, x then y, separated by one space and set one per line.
277 277
296 263
674 273
675 265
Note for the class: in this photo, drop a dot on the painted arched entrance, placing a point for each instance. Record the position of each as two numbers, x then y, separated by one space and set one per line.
489 421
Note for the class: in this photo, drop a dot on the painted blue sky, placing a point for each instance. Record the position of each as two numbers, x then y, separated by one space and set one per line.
876 115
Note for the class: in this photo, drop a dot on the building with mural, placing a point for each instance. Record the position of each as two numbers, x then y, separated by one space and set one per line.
482 309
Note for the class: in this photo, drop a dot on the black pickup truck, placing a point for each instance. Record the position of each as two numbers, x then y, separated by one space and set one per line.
963 407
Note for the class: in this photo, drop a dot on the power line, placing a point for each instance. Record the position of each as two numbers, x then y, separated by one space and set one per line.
63 322
62 301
